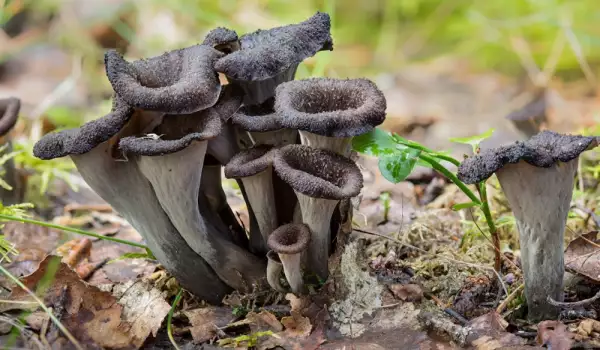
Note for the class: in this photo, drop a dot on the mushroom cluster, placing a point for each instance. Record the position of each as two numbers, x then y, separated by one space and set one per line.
537 177
174 129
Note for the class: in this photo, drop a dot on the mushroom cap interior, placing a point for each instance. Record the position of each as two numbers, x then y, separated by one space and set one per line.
85 138
249 162
258 118
267 53
331 107
9 113
317 173
179 81
289 239
542 150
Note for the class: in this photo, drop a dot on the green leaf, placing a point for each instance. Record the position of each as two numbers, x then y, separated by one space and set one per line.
397 167
474 141
376 143
459 206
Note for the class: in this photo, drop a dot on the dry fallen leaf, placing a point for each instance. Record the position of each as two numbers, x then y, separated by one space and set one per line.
206 321
264 321
488 332
554 335
407 292
587 326
583 256
95 317
296 325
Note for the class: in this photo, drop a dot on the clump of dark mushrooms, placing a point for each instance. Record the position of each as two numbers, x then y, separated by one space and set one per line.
9 114
158 156
537 177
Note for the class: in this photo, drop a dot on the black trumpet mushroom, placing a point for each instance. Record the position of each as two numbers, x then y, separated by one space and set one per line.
289 242
9 114
537 177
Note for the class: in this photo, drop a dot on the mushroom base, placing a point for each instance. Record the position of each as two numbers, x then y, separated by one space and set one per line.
257 92
261 200
293 272
540 200
316 214
274 270
340 145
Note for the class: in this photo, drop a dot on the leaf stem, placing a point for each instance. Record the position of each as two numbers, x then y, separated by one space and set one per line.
170 318
71 229
447 173
485 207
427 150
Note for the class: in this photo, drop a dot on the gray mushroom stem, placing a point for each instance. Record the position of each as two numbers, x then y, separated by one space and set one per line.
289 242
339 145
258 91
261 197
274 270
292 271
278 137
316 214
540 199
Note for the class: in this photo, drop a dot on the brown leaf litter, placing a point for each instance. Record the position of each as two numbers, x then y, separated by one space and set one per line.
122 319
582 256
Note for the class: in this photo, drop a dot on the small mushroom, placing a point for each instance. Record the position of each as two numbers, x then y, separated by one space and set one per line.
263 125
329 112
126 189
222 39
173 165
274 270
253 167
537 177
9 114
320 178
289 242
529 118
267 58
176 82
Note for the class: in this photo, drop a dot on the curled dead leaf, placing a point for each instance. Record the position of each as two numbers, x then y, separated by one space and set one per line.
206 322
555 335
582 256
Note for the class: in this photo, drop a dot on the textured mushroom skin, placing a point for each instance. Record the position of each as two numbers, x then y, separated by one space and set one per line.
267 53
542 150
331 107
258 118
317 173
179 81
289 239
220 36
9 111
249 162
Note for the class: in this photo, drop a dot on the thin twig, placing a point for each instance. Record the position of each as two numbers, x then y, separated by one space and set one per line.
575 304
509 298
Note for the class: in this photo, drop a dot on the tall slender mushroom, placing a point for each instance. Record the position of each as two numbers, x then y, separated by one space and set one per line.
9 114
329 112
274 270
289 242
173 165
537 178
267 58
125 188
320 178
253 167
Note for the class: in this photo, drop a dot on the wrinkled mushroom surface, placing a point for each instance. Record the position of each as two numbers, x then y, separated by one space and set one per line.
179 81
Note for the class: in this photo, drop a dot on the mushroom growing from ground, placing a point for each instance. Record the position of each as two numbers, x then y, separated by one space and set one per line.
173 165
320 178
9 113
329 112
179 81
125 188
267 58
289 242
274 269
537 177
253 167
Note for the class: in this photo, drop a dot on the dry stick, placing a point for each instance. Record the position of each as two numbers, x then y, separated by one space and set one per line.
442 257
509 298
575 304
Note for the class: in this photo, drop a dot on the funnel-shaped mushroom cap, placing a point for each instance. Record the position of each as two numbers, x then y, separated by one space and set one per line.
9 113
180 81
317 173
222 39
289 239
542 150
267 53
249 162
178 131
258 118
331 107
83 139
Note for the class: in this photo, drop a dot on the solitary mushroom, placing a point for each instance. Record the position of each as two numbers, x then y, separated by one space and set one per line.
267 58
125 188
320 178
274 270
537 178
179 81
173 165
263 125
289 242
329 112
253 167
9 113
